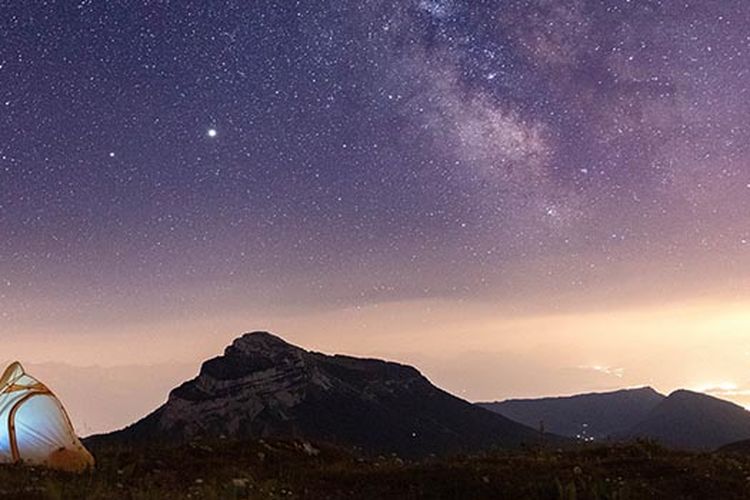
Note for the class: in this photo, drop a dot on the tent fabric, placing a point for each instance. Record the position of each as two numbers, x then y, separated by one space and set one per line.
34 427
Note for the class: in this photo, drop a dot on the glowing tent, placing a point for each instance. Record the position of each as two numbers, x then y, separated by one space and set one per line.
34 427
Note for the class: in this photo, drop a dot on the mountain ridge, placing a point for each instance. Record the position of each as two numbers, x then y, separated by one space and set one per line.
694 420
597 415
683 419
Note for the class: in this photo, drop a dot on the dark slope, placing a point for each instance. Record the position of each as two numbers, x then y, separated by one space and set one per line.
739 447
693 420
598 415
263 386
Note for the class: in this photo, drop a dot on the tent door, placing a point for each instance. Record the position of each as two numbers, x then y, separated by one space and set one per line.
15 454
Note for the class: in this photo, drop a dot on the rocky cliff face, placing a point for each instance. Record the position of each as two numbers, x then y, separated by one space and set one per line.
263 386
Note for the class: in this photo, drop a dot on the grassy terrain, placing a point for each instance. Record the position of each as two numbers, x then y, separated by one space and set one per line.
286 469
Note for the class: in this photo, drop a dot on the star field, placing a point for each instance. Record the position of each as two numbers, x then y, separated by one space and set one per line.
156 157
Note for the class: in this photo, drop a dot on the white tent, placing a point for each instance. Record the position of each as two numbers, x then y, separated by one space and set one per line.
34 427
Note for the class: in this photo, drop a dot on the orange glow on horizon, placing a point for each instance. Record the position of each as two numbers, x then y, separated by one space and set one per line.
475 350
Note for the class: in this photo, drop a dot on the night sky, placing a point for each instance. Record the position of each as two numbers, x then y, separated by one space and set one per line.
389 165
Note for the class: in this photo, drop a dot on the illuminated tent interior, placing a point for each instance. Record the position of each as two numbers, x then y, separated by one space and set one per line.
34 427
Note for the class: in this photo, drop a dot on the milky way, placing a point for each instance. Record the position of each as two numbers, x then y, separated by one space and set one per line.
156 156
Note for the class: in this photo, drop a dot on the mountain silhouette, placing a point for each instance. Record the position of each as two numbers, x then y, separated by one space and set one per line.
595 415
687 419
684 419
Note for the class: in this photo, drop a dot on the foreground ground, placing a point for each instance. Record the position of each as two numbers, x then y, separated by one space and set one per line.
277 469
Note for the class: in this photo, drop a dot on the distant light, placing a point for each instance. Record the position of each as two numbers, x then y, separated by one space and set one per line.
212 132
112 154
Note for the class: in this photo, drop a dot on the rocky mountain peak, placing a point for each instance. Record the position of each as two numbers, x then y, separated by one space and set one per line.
258 342
263 386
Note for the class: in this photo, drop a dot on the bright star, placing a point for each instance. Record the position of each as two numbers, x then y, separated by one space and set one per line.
212 132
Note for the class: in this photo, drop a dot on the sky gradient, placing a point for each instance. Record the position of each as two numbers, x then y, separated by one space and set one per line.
520 197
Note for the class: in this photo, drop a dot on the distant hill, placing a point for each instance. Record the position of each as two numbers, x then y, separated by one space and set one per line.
687 419
598 415
684 419
262 386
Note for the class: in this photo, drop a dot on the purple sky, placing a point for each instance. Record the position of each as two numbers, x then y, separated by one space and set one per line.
180 172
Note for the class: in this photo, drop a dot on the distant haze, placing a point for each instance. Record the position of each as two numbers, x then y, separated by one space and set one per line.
474 350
